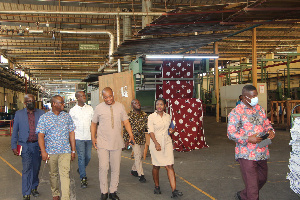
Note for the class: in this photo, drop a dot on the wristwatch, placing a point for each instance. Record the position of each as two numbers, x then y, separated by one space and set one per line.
73 151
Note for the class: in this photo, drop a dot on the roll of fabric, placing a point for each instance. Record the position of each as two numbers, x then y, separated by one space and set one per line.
294 162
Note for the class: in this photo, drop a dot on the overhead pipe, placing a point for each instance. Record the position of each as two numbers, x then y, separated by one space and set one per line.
127 32
118 43
35 31
118 31
38 12
111 36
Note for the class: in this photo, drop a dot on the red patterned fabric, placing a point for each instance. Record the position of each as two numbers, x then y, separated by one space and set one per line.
159 89
177 69
188 117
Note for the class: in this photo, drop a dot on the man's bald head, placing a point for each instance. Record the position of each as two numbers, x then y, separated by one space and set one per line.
108 96
107 89
136 106
28 96
57 103
55 98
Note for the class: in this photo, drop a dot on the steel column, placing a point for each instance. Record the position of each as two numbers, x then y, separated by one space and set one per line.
217 82
254 58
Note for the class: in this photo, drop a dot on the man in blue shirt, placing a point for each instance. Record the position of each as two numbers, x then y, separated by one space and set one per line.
57 142
240 100
24 134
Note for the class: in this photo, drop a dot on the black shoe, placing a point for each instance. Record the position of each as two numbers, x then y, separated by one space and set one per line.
35 193
134 173
157 190
114 196
237 196
84 182
142 179
104 196
26 197
176 193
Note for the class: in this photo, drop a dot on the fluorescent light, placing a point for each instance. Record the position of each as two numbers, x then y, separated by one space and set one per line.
199 57
286 52
163 56
169 56
36 31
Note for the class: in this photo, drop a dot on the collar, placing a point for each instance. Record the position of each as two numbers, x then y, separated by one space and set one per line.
52 113
132 111
244 106
159 115
28 110
80 106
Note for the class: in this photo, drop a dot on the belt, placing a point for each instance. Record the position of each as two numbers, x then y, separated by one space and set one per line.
32 141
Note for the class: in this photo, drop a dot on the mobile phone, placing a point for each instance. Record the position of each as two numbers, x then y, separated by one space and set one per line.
265 136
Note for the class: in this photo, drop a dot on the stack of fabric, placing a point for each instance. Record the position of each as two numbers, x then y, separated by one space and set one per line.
294 165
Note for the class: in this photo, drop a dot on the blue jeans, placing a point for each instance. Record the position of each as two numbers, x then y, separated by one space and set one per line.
31 161
83 148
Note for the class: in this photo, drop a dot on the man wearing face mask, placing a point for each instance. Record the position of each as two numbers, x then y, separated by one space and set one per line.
248 126
25 123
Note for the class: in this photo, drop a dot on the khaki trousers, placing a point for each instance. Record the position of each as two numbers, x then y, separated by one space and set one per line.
138 153
106 157
59 165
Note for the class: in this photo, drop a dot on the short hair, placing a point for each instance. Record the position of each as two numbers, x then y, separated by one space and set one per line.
54 97
133 100
106 89
77 94
27 96
161 99
248 88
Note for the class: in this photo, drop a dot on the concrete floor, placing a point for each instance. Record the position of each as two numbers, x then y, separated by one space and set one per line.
210 173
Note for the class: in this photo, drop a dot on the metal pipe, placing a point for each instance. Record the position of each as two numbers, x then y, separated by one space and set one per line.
38 12
118 31
119 65
110 70
110 34
146 7
127 33
35 31
288 77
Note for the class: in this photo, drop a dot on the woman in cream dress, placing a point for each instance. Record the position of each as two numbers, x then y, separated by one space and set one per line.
161 147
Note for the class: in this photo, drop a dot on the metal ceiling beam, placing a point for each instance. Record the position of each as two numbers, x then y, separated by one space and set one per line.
261 22
272 9
45 12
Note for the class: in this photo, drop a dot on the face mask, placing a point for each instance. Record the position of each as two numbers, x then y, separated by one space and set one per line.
254 101
30 106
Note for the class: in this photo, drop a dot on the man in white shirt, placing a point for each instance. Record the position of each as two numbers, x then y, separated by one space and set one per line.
82 115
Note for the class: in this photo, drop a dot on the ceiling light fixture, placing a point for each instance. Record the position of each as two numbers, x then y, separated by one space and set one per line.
169 56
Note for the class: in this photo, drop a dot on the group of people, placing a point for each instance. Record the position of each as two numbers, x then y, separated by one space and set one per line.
56 136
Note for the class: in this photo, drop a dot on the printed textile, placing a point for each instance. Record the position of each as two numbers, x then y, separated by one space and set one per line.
138 122
178 88
57 130
243 122
188 116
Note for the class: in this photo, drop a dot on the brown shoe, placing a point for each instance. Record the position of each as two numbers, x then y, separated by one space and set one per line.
56 198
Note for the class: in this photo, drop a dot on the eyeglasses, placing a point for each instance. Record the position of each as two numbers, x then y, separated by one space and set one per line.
30 101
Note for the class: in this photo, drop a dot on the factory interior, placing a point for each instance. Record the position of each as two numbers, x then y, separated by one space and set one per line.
194 53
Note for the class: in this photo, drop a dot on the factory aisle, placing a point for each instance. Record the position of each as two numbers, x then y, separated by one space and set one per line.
210 173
